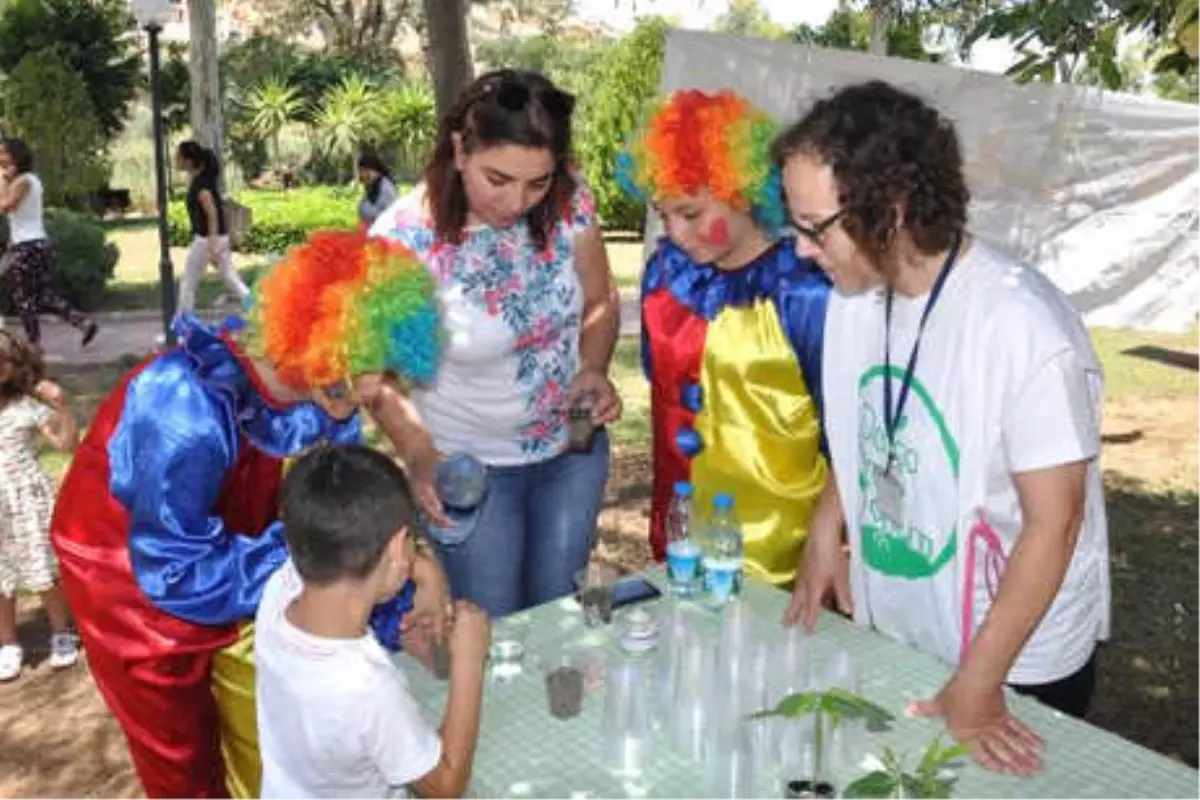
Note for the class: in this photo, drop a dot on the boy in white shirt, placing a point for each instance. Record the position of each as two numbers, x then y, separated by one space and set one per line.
335 716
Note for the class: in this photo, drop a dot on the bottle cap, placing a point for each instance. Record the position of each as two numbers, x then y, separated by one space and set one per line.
723 502
683 489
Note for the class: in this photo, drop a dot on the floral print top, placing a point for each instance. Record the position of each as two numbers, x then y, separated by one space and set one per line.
512 322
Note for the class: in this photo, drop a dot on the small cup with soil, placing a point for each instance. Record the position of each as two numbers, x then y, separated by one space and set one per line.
441 661
809 789
564 685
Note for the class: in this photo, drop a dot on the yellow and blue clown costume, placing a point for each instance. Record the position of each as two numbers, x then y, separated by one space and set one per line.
166 528
733 357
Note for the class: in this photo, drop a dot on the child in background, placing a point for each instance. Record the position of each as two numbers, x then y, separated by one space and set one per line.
335 716
29 404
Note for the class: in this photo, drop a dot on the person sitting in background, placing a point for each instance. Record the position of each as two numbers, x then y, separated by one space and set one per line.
532 316
380 189
335 715
963 403
732 326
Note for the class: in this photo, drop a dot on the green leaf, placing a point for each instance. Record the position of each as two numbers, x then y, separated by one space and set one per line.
793 706
873 784
842 704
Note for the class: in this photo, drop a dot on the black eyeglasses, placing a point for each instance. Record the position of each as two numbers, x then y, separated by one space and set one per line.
815 233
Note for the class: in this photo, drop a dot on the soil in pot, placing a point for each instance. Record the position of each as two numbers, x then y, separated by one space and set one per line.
809 791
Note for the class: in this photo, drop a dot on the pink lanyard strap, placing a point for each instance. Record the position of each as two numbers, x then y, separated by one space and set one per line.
994 561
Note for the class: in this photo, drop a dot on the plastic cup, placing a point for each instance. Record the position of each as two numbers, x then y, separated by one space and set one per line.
594 584
563 674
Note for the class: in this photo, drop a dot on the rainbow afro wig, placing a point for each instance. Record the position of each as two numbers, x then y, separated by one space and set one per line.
342 305
693 141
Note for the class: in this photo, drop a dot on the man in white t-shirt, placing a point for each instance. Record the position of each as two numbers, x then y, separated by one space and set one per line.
335 717
963 403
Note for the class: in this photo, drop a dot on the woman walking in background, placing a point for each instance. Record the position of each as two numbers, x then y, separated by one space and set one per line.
30 252
375 177
210 230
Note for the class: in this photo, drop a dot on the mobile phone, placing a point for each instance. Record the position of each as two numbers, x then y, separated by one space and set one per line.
628 591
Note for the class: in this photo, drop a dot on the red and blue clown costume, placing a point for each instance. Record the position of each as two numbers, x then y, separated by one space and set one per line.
166 532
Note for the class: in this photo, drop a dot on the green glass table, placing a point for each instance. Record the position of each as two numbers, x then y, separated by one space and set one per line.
525 752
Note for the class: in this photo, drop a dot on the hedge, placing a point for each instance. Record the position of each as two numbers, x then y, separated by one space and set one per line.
280 220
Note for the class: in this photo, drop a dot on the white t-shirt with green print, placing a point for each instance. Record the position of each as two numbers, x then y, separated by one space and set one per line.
1006 382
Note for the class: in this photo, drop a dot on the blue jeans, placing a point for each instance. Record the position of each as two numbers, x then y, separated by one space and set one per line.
535 531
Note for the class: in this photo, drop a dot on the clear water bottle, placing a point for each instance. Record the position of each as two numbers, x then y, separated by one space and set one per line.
683 551
723 560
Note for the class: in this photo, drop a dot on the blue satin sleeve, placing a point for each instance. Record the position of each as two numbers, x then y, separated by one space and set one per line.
386 617
801 301
652 278
168 458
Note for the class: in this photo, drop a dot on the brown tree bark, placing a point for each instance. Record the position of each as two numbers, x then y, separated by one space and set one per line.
881 17
447 50
207 125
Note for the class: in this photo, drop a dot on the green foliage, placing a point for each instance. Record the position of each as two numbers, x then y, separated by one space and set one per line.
927 782
270 106
749 18
626 80
850 29
91 37
836 704
406 125
84 262
347 118
47 105
569 59
1059 40
280 220
176 86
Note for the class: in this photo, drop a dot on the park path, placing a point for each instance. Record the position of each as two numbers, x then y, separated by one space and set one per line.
137 333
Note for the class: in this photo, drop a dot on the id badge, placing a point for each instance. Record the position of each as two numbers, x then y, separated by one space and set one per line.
890 495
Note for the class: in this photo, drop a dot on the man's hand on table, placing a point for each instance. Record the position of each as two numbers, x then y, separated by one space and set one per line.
977 716
824 569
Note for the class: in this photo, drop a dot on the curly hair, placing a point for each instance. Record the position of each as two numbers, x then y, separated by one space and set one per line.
888 150
504 107
26 367
342 305
692 140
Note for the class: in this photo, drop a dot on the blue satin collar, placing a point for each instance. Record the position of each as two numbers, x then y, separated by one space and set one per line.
280 431
706 290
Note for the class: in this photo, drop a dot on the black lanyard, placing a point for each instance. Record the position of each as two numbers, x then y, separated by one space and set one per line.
891 418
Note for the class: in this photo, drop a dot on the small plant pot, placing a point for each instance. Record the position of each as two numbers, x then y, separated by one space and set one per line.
809 789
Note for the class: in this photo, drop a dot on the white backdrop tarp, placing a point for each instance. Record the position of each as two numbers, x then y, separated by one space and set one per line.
1098 190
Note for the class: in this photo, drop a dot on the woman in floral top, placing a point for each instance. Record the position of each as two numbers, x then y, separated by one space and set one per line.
532 317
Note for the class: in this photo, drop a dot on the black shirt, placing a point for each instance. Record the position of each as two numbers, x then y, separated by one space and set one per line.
195 211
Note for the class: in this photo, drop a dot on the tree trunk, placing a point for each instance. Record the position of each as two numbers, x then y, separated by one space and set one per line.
207 127
881 17
447 50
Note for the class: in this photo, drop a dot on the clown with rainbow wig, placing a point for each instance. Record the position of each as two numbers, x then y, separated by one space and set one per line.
166 527
732 323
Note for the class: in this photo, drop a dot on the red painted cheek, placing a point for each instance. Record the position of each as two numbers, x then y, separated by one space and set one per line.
718 233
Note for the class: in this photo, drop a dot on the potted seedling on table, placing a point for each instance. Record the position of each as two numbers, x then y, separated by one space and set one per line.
829 709
931 780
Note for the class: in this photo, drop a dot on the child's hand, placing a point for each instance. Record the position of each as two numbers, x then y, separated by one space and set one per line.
432 608
50 393
471 635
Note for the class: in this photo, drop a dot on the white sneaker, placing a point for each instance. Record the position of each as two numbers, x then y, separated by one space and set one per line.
11 658
64 650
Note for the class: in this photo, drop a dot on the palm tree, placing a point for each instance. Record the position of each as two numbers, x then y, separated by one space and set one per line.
348 117
407 122
272 105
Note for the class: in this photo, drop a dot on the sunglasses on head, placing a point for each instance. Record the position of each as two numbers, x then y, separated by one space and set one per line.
513 96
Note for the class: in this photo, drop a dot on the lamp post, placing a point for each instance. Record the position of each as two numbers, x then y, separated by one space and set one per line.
151 16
